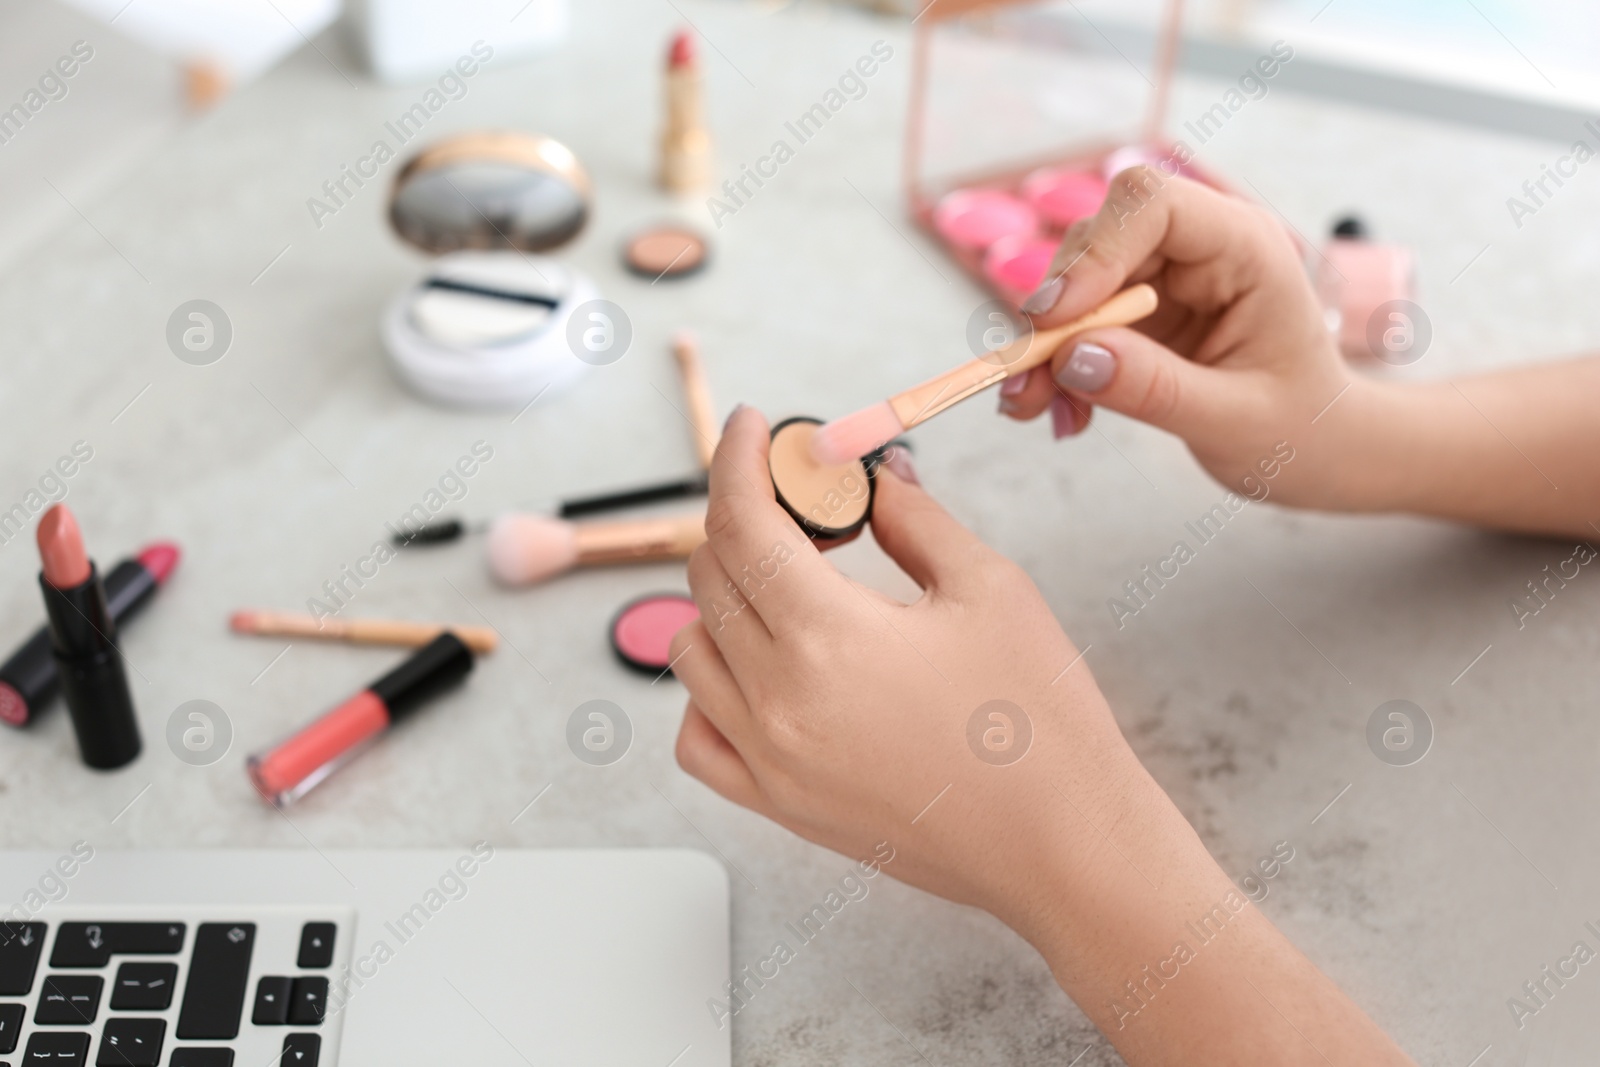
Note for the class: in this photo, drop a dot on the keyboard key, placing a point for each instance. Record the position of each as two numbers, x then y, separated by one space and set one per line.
316 946
93 944
310 1002
272 1001
20 946
144 987
69 1000
219 972
131 1043
11 1016
201 1057
300 1050
56 1049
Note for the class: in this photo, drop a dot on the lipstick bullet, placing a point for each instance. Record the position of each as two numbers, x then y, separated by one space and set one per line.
83 641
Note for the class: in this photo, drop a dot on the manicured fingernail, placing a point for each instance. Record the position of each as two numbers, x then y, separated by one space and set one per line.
1088 369
1014 385
1063 417
731 416
1045 297
899 461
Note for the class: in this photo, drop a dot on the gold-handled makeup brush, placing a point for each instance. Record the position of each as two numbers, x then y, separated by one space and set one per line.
406 634
860 433
524 549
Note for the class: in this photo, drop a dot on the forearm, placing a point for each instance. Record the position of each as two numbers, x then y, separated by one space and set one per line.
1175 964
1515 450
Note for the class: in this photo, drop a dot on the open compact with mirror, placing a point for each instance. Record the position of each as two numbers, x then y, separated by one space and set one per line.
487 325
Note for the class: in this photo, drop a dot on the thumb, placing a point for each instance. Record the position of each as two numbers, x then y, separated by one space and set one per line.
1127 372
915 530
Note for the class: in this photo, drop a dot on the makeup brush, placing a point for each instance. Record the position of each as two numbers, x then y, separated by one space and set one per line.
854 435
406 634
524 549
697 393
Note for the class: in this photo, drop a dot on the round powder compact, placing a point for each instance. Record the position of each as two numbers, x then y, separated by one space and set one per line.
641 633
976 218
666 251
1018 264
828 501
1063 196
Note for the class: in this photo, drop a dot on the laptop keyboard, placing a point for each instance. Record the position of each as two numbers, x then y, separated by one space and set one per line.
183 989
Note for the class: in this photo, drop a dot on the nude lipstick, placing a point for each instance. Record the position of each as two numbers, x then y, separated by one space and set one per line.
29 679
296 765
83 641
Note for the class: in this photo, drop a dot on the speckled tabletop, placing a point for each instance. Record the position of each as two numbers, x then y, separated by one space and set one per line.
1430 892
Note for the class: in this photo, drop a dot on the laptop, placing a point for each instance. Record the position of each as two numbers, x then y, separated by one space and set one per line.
480 955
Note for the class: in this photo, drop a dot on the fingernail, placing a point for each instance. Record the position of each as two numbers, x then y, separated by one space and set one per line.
731 416
1044 298
1014 385
899 461
1063 417
1088 369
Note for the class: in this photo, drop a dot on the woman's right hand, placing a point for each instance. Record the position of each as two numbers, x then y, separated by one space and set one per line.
1237 361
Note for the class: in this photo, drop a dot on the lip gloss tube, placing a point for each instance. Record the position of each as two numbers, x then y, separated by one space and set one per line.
29 678
83 639
296 765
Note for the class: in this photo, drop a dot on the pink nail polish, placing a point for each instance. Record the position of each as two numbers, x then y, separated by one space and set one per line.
1063 417
1014 385
899 461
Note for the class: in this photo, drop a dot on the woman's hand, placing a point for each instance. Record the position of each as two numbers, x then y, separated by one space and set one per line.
1237 361
965 734
842 714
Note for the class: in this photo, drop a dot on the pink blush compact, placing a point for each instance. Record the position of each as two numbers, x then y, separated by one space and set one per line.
976 218
1062 195
1018 264
641 634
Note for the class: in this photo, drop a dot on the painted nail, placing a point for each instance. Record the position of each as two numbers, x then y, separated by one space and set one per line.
1045 297
1063 417
1014 385
899 461
1088 369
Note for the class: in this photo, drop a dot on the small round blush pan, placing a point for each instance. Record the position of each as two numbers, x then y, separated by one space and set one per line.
1018 264
976 218
1063 196
641 633
666 251
829 501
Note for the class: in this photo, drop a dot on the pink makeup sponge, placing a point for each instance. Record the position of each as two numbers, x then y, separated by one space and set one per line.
977 218
1064 196
524 549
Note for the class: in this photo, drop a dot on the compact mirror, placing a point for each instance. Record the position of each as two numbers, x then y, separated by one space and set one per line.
491 190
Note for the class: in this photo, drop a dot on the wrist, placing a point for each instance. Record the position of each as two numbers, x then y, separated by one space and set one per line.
1360 450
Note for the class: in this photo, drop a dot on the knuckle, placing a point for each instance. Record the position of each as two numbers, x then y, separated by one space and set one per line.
1161 396
722 518
686 751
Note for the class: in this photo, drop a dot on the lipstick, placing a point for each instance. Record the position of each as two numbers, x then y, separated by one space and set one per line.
83 641
297 764
29 679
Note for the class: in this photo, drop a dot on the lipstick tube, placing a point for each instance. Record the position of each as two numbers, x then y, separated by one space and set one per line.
83 640
296 765
29 678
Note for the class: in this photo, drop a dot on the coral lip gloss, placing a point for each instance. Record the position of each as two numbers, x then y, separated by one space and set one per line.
29 678
296 765
83 640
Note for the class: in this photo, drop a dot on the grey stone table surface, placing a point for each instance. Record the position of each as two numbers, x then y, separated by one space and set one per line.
1430 892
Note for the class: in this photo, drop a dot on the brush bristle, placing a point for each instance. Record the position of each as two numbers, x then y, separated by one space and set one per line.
850 438
524 549
242 622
